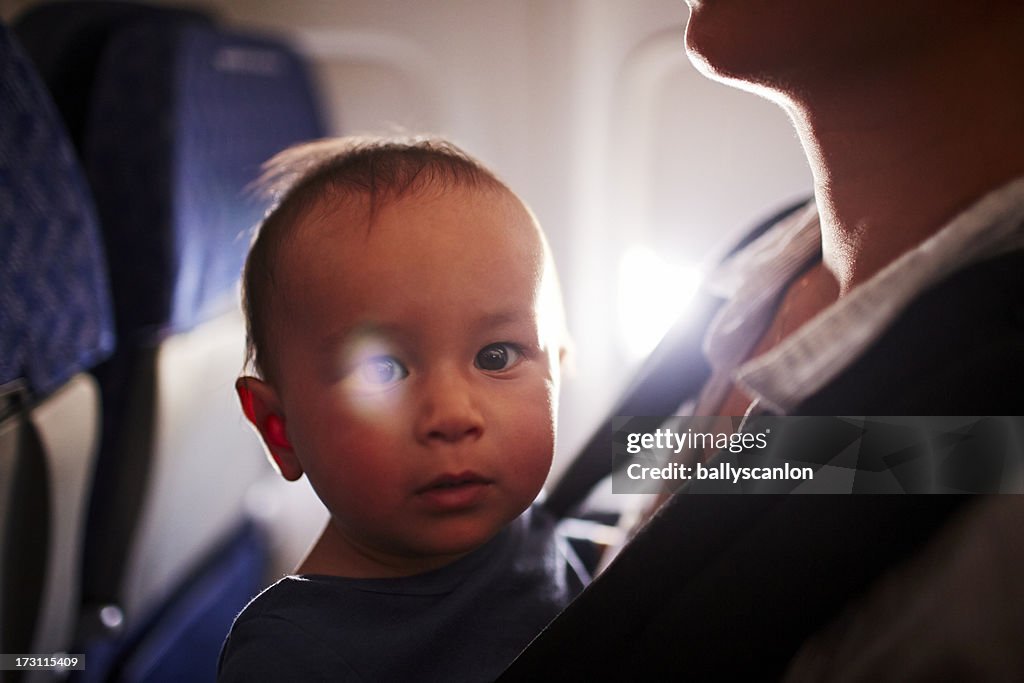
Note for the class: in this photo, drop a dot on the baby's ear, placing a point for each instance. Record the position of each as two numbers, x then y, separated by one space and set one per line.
263 409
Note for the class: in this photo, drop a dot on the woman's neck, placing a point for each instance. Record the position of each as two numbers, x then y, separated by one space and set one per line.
897 152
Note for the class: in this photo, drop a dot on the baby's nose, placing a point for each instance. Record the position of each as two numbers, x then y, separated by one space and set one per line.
448 412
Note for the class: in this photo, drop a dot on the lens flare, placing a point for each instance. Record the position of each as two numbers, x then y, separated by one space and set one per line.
652 294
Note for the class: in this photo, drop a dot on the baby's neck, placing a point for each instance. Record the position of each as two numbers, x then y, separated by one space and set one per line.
336 554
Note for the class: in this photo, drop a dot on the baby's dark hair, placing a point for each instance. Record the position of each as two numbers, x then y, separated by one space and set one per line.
374 169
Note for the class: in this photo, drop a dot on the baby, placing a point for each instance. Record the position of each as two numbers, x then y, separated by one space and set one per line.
405 331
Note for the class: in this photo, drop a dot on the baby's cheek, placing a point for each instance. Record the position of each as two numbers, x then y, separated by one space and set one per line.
534 445
344 417
352 454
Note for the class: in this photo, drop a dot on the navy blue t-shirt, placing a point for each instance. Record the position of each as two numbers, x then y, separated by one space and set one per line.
463 622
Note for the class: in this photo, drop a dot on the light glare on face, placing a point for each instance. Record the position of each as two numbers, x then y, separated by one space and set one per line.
372 376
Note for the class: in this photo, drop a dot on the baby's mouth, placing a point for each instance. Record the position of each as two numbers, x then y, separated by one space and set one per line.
454 481
452 493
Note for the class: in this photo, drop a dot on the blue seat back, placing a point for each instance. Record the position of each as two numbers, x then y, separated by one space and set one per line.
181 115
66 39
55 315
55 323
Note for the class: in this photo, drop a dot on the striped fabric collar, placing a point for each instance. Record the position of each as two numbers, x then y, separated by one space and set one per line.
807 360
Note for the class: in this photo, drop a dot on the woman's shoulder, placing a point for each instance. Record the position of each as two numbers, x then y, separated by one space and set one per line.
955 350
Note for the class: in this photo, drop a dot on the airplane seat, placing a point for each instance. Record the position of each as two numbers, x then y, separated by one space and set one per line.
55 325
181 114
66 39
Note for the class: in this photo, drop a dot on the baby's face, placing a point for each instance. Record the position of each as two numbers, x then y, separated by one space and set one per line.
417 377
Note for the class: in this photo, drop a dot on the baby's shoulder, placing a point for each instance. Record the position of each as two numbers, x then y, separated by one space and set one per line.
279 636
287 595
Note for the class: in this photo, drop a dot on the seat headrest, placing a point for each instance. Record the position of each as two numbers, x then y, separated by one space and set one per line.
66 38
55 309
183 116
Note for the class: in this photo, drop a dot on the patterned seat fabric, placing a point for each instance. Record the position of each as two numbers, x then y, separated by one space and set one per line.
55 315
55 323
66 40
171 163
180 115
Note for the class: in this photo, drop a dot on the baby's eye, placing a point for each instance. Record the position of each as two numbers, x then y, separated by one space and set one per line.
497 357
380 370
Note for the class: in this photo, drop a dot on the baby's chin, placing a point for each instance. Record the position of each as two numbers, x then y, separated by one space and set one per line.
457 539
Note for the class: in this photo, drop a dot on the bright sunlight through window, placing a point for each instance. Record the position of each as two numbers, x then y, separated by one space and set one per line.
652 294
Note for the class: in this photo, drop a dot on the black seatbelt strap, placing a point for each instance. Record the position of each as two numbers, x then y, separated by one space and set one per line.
671 375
